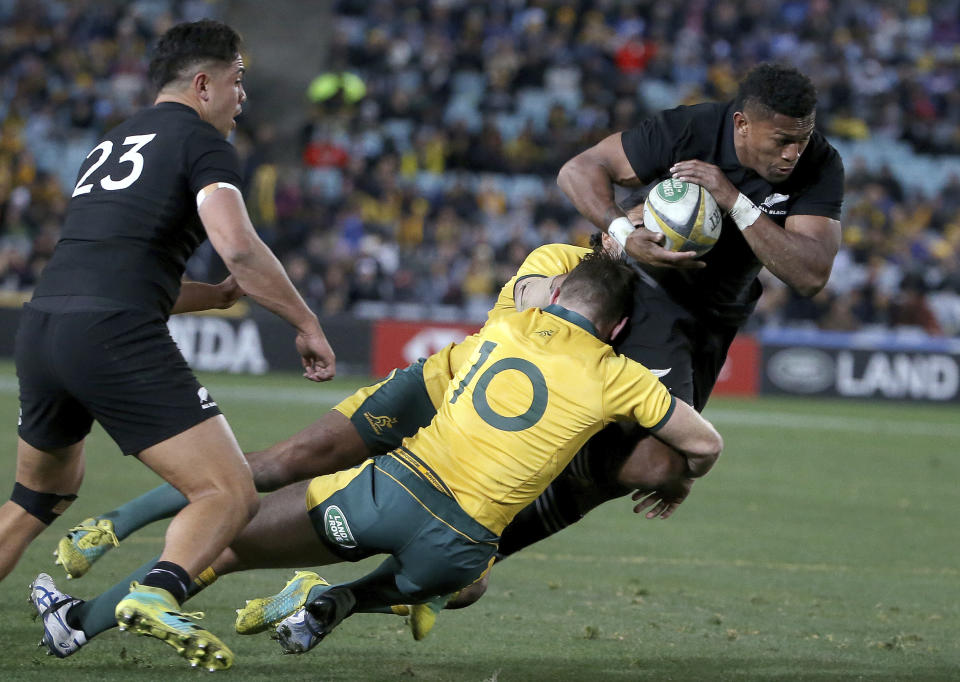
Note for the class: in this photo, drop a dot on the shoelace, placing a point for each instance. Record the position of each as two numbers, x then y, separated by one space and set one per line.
111 535
53 607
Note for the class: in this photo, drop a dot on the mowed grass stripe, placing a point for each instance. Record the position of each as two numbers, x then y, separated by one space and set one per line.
790 567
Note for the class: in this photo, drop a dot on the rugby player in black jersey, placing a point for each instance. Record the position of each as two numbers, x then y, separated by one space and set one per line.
779 183
93 343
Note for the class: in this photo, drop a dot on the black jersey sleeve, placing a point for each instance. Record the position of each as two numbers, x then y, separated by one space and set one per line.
824 195
210 158
651 147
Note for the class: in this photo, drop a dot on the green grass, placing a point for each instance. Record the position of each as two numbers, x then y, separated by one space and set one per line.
822 547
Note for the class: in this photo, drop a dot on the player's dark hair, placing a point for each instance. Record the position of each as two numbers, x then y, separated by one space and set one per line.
604 284
189 44
596 241
777 88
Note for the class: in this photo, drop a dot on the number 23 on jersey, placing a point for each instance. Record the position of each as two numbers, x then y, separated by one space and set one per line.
131 156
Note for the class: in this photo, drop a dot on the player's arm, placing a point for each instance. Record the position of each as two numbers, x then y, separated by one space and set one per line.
692 436
261 276
588 179
535 292
632 391
197 296
800 254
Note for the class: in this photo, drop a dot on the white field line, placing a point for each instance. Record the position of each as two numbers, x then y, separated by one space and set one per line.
907 425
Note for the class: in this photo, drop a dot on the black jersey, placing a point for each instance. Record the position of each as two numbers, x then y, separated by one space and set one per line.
725 289
132 220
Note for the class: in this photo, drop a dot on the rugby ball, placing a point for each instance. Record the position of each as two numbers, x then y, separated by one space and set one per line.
685 213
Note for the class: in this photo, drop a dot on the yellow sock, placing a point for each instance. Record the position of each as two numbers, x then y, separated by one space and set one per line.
206 578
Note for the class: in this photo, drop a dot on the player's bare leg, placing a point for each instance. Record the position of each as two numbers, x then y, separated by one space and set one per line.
281 535
206 465
329 444
58 472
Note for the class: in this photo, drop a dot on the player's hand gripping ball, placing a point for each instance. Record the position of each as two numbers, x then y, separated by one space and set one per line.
686 213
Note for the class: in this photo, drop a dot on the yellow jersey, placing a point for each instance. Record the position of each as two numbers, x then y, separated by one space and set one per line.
537 385
544 261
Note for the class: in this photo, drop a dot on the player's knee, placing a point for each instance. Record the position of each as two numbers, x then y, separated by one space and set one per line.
236 494
249 502
44 506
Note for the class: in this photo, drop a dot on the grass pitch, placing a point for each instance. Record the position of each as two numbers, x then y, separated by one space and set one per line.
822 547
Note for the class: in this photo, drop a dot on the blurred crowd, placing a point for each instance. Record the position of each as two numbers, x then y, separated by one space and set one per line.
433 135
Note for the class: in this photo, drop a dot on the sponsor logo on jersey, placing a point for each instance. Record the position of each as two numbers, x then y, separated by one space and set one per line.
546 332
660 373
380 423
206 401
338 530
771 201
672 190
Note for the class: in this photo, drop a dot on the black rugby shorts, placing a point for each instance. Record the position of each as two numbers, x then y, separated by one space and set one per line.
119 367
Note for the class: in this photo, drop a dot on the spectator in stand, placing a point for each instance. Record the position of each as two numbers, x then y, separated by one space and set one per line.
420 107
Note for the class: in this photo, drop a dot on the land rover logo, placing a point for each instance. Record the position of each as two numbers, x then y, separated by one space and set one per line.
337 528
801 370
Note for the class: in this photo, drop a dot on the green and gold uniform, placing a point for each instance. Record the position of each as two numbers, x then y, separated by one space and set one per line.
537 385
388 411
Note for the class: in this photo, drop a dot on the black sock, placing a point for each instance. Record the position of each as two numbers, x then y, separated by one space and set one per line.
170 577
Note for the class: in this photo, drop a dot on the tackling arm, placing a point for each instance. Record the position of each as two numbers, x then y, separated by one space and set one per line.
694 437
535 292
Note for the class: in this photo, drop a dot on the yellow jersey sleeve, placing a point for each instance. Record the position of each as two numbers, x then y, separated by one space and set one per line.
631 391
544 261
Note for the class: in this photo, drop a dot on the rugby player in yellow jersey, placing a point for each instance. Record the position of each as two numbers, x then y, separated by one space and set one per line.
538 384
536 387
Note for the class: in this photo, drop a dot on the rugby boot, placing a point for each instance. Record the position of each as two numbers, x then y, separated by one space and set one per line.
153 612
84 544
265 612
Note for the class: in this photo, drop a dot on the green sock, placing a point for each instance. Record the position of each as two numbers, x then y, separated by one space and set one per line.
97 615
162 502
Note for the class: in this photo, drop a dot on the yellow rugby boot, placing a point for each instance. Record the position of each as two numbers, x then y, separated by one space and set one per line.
263 613
84 544
153 612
